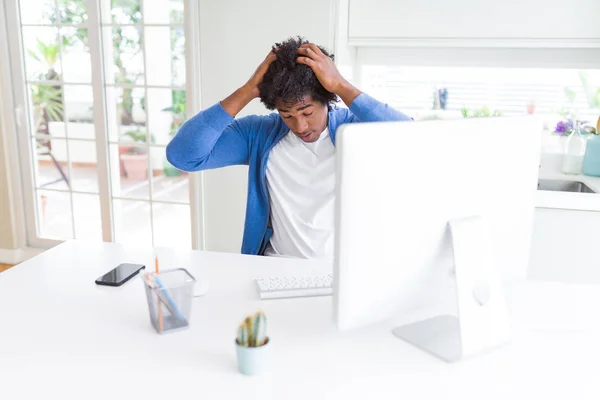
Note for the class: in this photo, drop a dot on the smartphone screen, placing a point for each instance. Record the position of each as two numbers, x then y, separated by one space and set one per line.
120 274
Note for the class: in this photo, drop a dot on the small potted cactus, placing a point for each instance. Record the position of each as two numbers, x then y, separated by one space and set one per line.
252 343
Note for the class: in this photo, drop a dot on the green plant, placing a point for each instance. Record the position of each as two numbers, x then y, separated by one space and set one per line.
138 136
253 331
592 95
47 106
47 53
46 99
122 43
122 12
72 12
177 109
479 113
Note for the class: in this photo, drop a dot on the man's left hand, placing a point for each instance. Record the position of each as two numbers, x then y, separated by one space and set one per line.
326 72
323 67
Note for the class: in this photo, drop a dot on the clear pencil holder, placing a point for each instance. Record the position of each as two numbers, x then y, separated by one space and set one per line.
170 295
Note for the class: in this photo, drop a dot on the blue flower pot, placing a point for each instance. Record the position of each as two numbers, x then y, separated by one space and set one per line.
591 159
253 360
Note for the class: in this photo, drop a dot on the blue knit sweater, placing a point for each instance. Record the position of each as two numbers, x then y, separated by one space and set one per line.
214 139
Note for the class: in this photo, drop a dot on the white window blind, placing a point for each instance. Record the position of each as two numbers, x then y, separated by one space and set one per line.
508 90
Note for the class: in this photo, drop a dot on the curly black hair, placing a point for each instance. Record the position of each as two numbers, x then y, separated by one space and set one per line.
290 81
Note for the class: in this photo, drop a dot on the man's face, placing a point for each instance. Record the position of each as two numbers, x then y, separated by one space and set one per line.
307 118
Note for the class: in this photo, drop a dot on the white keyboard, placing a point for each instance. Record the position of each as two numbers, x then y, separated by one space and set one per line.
292 286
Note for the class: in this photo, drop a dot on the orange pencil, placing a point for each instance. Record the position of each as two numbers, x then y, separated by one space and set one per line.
160 316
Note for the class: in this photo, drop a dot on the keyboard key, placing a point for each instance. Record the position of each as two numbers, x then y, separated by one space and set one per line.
285 287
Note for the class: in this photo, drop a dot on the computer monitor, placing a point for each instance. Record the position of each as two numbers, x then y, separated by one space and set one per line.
430 208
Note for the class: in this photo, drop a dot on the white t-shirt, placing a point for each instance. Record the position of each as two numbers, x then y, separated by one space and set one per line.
301 185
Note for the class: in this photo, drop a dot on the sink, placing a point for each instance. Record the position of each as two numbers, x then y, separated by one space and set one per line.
559 185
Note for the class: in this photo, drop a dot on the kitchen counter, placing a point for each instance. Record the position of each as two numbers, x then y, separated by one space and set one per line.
569 200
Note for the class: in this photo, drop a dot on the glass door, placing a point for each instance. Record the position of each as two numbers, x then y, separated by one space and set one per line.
101 90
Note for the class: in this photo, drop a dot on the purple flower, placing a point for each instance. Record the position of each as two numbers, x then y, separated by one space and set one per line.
560 128
569 125
564 127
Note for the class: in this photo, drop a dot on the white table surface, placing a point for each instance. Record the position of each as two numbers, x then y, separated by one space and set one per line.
62 336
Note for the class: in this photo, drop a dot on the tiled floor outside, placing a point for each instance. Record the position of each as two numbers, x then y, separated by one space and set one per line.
170 222
4 267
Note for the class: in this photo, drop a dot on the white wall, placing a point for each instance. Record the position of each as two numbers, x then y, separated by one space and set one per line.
235 37
531 23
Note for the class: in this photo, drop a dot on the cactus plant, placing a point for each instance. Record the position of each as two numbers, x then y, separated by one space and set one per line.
253 331
242 337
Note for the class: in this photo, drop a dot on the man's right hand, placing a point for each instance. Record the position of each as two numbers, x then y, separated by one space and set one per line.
259 74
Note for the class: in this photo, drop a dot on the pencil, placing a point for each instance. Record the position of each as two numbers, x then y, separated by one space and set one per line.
160 315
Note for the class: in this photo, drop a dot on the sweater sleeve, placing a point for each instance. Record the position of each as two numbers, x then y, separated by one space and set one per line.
212 139
367 109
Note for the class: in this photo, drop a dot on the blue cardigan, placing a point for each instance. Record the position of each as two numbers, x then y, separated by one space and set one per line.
214 139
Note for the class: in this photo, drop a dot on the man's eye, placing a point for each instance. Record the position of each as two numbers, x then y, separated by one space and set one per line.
308 115
288 117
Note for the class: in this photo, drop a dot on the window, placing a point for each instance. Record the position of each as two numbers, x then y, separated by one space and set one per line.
105 90
483 91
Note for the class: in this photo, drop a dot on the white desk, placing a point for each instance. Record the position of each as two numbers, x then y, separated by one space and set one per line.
62 336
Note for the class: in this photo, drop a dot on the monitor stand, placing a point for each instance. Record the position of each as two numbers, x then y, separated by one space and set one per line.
482 322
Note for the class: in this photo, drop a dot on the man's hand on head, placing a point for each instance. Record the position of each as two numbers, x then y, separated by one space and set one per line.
323 66
259 74
326 72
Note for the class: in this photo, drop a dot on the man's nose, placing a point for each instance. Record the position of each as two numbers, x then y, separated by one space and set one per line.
301 125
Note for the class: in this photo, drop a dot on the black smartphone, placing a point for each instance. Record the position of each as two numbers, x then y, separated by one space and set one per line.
120 274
